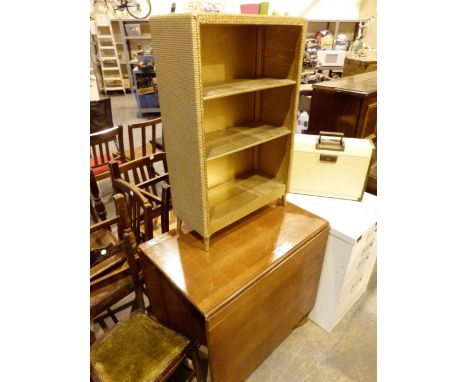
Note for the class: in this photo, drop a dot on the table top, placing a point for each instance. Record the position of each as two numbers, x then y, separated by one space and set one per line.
363 84
238 256
348 219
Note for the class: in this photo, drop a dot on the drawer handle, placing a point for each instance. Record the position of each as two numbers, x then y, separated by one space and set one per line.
363 261
367 249
371 235
328 158
356 283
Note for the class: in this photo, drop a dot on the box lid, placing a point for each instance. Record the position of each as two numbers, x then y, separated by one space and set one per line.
353 146
348 219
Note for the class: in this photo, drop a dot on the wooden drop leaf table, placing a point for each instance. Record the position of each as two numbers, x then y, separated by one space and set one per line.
242 298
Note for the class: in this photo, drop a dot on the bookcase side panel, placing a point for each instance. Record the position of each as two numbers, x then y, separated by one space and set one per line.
175 43
295 102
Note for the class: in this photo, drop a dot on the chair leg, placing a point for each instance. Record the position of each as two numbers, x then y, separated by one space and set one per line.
196 364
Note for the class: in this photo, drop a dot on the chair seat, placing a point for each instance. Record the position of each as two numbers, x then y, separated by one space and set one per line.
137 350
103 168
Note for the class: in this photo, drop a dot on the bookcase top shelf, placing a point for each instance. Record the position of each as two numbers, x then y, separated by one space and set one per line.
237 138
233 87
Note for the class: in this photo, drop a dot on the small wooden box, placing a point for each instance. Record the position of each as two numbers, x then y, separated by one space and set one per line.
350 255
330 172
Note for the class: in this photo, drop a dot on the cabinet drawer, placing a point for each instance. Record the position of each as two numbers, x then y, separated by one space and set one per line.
366 238
350 293
366 255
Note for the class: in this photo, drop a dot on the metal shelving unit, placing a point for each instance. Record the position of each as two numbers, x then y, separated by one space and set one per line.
336 27
131 60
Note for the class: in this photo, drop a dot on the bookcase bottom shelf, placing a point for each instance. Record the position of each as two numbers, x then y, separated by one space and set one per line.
237 198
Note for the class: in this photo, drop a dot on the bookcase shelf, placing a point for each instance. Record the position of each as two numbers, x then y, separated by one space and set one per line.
239 86
228 87
232 139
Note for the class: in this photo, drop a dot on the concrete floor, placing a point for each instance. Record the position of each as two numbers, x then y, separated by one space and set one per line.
309 354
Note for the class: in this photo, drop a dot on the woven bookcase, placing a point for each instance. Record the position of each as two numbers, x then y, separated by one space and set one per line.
228 87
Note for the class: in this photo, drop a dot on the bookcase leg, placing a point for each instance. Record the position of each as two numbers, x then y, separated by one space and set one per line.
284 202
206 243
179 224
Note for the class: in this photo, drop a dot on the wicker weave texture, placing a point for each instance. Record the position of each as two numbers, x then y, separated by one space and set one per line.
211 18
273 55
175 43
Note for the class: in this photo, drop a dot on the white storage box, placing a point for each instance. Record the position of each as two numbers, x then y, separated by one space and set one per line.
350 254
330 165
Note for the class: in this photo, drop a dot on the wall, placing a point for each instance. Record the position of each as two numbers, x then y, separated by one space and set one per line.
315 9
310 9
368 9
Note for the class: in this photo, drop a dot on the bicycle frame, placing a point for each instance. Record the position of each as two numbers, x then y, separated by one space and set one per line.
121 5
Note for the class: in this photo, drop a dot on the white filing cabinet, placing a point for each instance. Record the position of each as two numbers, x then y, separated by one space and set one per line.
350 254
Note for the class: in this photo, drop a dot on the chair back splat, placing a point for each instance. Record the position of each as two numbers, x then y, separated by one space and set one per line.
140 210
100 150
114 272
151 182
147 146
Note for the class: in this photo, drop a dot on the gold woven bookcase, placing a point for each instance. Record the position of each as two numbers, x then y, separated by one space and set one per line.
228 87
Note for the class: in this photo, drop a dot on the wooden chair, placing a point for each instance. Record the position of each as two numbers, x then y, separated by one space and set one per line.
100 117
101 153
140 349
141 211
111 277
98 209
153 183
146 146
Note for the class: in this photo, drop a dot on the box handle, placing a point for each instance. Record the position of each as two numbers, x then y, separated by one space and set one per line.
330 144
328 158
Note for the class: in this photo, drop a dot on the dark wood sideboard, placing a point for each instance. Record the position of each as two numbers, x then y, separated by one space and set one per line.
242 298
348 105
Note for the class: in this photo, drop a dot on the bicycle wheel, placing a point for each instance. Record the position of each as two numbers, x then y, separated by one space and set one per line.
139 9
